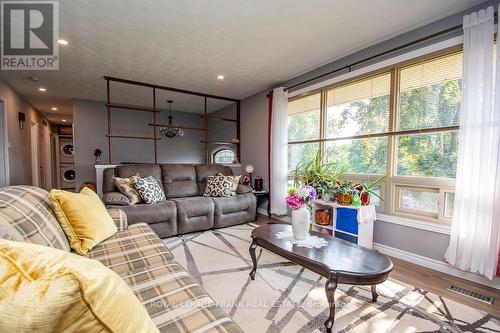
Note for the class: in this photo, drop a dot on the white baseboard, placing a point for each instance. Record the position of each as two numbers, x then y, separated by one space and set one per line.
262 211
436 265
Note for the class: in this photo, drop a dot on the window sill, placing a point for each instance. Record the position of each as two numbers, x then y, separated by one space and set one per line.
412 223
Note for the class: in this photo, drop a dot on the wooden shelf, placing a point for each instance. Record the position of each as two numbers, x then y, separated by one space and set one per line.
221 118
221 142
133 137
183 127
132 107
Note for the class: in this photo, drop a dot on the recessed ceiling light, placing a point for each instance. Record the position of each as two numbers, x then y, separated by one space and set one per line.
42 89
64 120
62 41
220 77
53 108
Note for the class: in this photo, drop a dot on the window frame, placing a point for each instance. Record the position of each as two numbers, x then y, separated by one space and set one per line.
217 151
392 180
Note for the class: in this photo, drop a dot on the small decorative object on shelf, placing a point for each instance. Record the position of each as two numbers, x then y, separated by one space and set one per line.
356 200
245 181
258 183
98 155
300 200
89 184
343 192
249 169
323 216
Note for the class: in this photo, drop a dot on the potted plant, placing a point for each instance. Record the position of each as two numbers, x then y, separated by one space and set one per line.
343 192
300 200
368 189
318 173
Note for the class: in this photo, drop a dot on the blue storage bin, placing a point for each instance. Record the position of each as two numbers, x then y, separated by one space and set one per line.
347 220
347 237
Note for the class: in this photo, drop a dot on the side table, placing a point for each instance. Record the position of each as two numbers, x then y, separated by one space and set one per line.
262 195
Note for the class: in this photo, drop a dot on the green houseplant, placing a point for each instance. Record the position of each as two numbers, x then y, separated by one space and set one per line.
318 173
368 189
343 192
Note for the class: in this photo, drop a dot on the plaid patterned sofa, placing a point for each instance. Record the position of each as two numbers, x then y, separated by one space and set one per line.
174 300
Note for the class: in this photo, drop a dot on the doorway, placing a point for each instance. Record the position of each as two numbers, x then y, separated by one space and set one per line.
37 156
4 149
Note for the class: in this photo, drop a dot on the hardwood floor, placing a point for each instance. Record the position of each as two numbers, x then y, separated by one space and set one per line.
438 283
434 281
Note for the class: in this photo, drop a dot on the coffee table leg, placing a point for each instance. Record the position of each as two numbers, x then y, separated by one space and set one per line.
330 287
254 258
374 293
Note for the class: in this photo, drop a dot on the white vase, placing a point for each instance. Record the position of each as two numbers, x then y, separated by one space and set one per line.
300 223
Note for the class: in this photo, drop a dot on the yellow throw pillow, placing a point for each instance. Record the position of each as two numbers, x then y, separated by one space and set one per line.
47 290
83 217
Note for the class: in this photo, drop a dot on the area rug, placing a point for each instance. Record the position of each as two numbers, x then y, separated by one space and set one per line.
285 297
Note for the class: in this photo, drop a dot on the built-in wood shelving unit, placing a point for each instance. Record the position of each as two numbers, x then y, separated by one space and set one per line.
154 110
221 142
132 107
220 118
133 137
183 127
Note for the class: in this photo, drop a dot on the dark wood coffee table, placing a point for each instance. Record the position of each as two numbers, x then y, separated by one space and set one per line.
340 262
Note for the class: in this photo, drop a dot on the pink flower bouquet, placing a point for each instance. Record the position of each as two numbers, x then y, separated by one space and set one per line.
298 197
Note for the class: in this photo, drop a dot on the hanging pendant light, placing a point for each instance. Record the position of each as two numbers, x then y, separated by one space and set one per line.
170 131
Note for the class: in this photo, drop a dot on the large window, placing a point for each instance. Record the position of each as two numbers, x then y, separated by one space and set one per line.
401 122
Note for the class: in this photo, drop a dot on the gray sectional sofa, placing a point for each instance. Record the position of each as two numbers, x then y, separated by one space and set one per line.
185 209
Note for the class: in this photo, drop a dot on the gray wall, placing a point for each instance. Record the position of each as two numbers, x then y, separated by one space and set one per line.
422 242
19 139
254 113
90 127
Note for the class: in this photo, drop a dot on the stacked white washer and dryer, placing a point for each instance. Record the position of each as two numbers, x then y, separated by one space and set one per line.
66 158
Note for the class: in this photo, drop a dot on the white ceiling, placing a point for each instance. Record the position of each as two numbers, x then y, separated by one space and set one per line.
185 44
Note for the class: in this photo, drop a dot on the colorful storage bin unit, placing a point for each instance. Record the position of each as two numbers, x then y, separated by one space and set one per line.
345 225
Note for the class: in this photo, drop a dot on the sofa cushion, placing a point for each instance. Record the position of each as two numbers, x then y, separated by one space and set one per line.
176 302
29 211
179 180
205 170
8 232
164 213
149 189
119 217
194 214
234 210
107 180
48 290
134 248
145 170
83 217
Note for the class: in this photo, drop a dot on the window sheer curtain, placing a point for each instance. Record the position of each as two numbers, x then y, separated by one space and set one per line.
474 237
279 151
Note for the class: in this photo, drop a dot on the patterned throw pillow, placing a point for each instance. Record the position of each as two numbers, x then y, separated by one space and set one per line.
125 186
218 186
149 189
236 181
